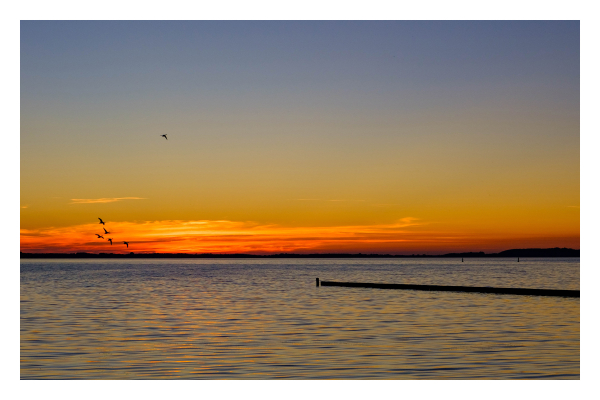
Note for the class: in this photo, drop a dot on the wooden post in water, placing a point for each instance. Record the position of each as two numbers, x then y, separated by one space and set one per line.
518 259
317 282
462 260
486 289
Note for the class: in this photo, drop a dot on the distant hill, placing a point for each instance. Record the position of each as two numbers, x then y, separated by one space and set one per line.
555 252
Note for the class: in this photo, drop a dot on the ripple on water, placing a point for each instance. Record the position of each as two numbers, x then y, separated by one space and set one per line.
265 319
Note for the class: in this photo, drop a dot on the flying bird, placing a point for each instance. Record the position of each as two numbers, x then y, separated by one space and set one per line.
99 236
105 231
165 136
127 243
110 240
102 222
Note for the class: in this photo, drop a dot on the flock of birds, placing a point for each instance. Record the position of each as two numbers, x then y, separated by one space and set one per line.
102 222
106 233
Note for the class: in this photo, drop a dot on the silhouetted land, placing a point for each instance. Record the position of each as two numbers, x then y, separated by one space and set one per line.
555 252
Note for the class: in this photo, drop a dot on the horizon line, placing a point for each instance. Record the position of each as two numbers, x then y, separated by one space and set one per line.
360 254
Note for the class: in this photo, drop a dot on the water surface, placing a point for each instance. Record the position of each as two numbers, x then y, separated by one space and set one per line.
265 319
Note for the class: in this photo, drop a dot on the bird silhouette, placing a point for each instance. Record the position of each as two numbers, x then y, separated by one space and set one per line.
102 222
105 231
165 136
99 236
127 243
110 240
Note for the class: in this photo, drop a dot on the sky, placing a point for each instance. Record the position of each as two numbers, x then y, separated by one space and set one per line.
397 137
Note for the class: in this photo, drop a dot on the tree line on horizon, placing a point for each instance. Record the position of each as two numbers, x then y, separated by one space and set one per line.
552 252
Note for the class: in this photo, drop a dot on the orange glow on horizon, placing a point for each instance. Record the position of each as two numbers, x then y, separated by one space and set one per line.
405 236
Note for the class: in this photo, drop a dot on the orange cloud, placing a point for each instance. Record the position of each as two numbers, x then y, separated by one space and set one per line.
406 235
327 200
210 236
104 200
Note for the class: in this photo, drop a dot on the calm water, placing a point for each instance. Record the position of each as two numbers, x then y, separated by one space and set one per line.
265 319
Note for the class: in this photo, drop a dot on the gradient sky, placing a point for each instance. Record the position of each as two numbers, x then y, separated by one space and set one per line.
347 136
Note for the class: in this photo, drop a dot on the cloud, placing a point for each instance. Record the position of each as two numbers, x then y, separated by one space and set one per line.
222 236
407 235
307 199
104 200
325 200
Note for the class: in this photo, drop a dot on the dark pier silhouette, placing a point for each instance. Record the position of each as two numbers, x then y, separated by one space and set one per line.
474 289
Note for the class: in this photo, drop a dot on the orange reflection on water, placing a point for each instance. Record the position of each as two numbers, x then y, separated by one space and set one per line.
240 329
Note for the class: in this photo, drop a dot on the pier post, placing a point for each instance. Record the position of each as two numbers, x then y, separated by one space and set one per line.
317 282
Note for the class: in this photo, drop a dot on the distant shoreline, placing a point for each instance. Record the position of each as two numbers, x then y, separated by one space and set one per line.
554 252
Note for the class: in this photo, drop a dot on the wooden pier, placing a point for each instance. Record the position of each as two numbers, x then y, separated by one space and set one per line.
474 289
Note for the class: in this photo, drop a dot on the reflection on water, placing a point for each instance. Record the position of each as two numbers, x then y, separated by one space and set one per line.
265 319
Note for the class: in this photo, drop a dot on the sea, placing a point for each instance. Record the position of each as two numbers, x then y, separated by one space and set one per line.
266 319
